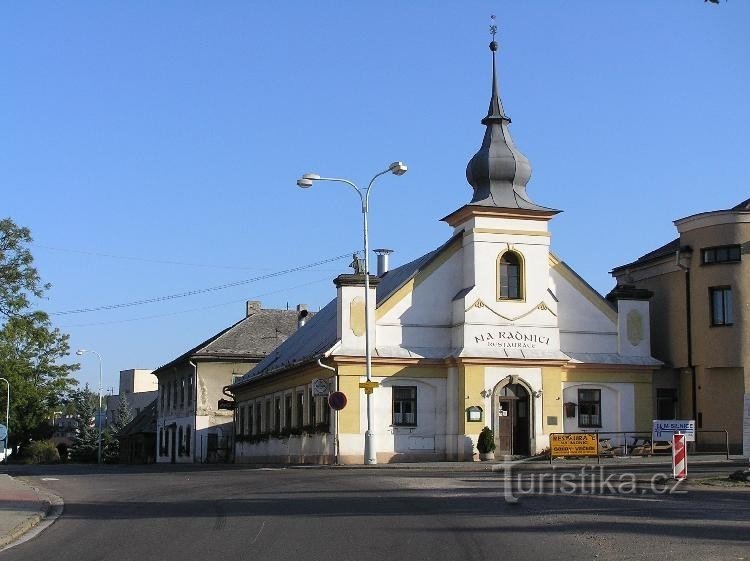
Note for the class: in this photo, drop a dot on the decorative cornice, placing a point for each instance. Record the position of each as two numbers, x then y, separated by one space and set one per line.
479 304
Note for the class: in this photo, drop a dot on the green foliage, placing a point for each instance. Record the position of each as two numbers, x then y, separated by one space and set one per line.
30 348
486 441
42 452
85 447
110 438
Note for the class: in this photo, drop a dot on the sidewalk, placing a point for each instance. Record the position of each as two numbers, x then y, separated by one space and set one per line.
21 508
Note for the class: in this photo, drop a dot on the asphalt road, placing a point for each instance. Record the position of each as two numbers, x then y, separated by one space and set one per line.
154 513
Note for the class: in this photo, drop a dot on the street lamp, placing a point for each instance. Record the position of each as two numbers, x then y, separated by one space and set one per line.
7 413
306 181
80 352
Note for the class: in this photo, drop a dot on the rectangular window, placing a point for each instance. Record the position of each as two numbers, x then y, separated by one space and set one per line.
268 416
589 408
721 305
288 411
258 418
240 419
300 409
161 396
277 415
250 419
182 392
187 440
721 254
666 403
313 417
404 406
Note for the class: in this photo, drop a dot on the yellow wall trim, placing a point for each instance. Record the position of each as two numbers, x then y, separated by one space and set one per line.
510 232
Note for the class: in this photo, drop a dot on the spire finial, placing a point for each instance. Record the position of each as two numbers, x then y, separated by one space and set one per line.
493 32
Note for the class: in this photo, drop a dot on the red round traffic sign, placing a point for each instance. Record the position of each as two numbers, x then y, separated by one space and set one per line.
337 401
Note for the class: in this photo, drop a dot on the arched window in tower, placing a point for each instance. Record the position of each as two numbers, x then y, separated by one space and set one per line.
510 276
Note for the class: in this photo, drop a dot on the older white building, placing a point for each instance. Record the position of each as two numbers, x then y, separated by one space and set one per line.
490 329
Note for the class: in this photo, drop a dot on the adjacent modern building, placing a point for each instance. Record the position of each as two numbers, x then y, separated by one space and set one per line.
701 288
139 387
489 329
191 427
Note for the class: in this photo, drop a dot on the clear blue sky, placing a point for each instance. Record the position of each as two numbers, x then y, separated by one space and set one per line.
153 147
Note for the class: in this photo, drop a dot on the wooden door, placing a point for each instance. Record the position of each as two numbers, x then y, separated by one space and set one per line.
504 431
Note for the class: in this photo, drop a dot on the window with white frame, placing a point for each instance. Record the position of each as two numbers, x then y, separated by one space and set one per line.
589 408
722 312
404 405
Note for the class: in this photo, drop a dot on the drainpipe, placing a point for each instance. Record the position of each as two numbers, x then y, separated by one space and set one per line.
689 330
335 413
194 400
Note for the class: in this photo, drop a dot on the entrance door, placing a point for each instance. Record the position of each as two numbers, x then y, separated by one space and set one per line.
513 425
504 432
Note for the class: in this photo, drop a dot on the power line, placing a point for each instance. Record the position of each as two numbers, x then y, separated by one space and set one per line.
202 308
200 290
148 260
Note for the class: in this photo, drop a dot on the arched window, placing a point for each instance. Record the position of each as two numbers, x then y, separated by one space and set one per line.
510 276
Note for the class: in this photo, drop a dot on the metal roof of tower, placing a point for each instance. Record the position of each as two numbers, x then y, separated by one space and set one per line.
499 172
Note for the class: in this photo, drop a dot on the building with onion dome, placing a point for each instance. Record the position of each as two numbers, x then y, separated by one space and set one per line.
488 329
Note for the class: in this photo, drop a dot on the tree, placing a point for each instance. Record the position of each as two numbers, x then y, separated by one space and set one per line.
85 447
31 350
122 416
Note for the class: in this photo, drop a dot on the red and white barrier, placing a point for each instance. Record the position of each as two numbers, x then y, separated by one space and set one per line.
679 456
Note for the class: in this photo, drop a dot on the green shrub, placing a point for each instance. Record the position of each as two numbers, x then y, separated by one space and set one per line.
486 441
42 452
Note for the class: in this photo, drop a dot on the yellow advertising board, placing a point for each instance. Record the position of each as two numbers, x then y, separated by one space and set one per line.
573 444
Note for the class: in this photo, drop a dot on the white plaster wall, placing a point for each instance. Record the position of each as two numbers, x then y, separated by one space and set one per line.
584 328
352 344
430 433
640 310
617 405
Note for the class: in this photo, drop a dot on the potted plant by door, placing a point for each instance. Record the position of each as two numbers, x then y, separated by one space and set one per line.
486 444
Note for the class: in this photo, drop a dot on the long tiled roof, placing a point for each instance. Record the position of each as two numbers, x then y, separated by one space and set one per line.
667 249
319 334
253 337
143 422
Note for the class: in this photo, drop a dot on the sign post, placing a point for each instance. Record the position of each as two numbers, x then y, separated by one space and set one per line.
679 457
573 444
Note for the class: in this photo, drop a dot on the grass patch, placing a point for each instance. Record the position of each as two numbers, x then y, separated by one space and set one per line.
722 482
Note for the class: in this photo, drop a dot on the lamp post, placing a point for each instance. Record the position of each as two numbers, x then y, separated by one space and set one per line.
306 181
7 413
80 352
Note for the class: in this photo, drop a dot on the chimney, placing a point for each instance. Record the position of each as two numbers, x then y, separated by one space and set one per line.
252 307
382 260
302 314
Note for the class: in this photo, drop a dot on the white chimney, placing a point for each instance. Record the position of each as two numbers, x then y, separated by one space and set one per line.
252 307
382 260
302 314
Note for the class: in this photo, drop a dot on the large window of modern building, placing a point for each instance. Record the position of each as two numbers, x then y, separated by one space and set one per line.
721 305
404 406
589 408
721 254
509 276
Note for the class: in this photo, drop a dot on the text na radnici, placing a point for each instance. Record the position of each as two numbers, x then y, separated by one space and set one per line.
512 339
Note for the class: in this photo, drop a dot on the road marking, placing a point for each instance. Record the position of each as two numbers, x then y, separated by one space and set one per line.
50 479
259 531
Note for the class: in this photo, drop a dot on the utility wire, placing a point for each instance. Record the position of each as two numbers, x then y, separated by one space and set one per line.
200 290
202 308
148 260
